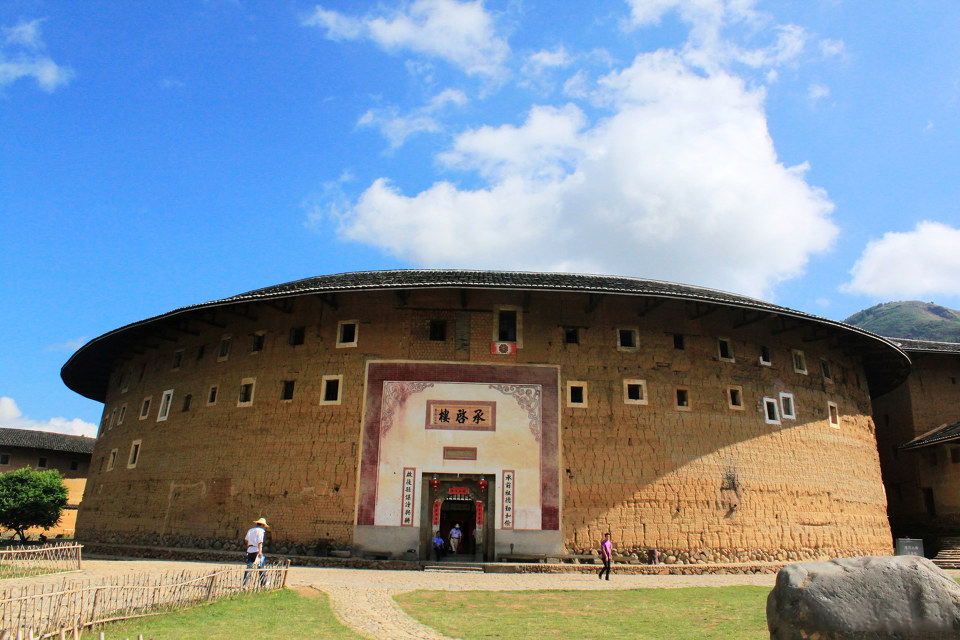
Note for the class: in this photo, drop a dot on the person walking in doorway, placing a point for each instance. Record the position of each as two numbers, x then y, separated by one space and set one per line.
455 535
606 555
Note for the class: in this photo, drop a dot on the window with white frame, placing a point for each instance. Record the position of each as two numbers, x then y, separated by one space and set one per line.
765 356
113 418
576 393
112 460
145 408
245 398
825 370
787 408
122 414
508 324
833 414
682 399
725 349
799 361
628 338
165 401
125 381
771 411
212 395
735 398
331 389
347 333
635 391
134 456
224 351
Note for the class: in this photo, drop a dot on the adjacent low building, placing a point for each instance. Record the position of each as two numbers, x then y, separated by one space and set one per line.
70 455
537 411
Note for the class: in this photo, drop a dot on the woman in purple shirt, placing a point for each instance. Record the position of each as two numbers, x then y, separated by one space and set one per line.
606 555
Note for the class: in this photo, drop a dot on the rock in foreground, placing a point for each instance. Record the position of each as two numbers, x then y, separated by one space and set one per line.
904 597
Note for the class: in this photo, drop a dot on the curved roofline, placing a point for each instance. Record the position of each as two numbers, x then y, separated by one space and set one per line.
73 370
910 345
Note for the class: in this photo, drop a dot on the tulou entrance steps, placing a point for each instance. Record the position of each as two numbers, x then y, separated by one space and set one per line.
454 567
949 555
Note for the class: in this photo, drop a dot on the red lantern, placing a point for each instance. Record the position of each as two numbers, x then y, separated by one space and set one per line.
482 484
434 483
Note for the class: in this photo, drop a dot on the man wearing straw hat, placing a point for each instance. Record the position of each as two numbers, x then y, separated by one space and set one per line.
254 539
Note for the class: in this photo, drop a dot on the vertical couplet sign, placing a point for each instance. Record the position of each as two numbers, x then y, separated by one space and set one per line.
479 514
436 514
507 499
409 477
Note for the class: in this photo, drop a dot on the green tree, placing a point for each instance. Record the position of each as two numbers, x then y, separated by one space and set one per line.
30 498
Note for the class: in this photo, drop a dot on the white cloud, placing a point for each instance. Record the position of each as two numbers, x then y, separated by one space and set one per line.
12 418
912 264
817 92
70 345
398 128
462 33
832 48
22 56
681 182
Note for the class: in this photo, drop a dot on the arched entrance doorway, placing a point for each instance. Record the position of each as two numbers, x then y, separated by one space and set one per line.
463 503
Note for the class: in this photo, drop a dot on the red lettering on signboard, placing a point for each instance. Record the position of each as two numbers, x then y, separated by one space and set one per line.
436 515
459 491
479 514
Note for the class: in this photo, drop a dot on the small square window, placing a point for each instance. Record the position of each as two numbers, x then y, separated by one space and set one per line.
635 391
4 458
212 396
627 339
765 356
41 463
113 416
506 325
165 401
735 397
571 335
287 393
331 389
256 344
576 393
953 380
177 359
245 398
799 361
224 352
347 333
200 351
787 409
825 370
833 414
297 336
683 399
145 408
725 349
122 414
679 342
186 403
74 465
112 460
134 456
125 381
438 330
771 411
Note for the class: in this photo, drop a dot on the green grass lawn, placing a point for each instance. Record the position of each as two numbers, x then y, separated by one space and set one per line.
274 614
728 613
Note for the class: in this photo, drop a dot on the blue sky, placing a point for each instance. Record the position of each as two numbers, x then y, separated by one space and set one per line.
154 156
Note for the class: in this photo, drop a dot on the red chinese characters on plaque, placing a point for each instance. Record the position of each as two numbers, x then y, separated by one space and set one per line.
406 511
436 514
507 499
479 514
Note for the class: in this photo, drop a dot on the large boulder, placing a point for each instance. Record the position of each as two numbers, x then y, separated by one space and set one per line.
903 597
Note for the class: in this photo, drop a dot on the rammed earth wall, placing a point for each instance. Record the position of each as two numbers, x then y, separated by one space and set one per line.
707 482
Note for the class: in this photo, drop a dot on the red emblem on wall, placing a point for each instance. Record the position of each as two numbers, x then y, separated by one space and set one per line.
503 348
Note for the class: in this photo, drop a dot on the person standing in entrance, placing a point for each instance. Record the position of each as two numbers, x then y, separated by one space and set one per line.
606 555
455 535
438 545
254 540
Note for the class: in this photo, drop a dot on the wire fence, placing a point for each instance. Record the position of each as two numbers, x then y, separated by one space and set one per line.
40 611
27 562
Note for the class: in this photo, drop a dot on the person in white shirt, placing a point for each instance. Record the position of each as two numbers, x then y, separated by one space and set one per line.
455 535
254 539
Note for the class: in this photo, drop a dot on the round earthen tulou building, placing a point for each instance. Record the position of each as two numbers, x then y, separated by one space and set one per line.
537 411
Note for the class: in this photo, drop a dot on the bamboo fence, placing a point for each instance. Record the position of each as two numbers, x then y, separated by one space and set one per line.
38 611
34 561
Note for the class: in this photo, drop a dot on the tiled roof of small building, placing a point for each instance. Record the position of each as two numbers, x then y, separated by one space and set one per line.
940 435
87 371
926 346
48 440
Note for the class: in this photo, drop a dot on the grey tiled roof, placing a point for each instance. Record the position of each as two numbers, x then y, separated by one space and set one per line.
29 439
946 433
88 370
926 346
